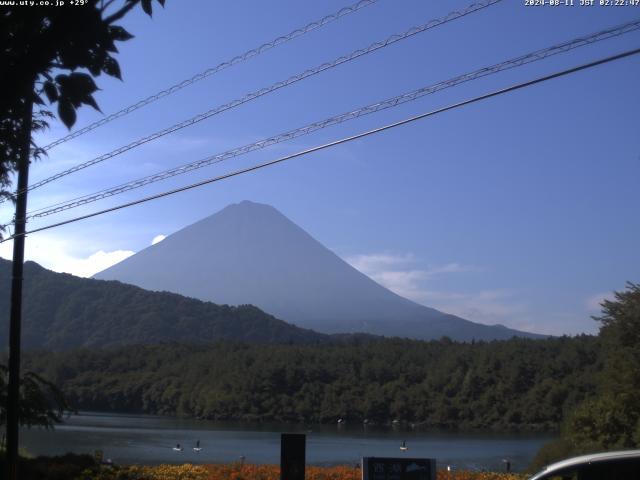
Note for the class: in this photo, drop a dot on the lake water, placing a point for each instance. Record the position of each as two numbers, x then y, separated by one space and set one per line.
129 439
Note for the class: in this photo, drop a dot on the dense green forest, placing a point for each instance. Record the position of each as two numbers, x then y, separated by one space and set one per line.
610 418
62 311
515 384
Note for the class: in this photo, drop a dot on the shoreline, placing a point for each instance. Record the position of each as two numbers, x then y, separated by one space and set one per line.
400 426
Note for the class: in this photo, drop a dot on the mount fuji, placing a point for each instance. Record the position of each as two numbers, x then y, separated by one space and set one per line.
250 253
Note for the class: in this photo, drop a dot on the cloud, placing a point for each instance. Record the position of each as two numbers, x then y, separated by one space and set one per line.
489 307
96 262
569 323
485 306
450 268
403 274
380 261
377 261
158 239
399 273
391 271
593 302
405 283
54 254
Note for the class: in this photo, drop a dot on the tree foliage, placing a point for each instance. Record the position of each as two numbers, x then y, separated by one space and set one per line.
41 402
609 419
515 384
612 419
50 55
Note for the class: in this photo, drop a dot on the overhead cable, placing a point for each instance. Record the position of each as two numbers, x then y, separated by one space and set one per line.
338 119
213 70
474 7
406 121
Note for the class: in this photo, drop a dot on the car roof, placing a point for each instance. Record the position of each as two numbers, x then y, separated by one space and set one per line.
558 467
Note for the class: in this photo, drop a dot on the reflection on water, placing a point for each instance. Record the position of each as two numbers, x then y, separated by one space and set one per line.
150 440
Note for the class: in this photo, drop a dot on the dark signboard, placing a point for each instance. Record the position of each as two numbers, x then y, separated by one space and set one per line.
380 468
292 456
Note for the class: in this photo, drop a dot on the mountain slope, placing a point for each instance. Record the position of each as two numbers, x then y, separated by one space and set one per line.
61 311
251 253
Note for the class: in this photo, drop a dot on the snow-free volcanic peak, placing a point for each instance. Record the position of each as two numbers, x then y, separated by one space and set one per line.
250 253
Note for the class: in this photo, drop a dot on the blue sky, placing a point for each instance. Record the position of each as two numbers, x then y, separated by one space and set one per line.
520 210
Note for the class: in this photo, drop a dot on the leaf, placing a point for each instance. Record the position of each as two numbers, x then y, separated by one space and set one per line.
62 79
37 153
46 114
111 67
72 56
82 82
67 113
119 33
94 69
51 91
73 88
37 99
109 46
89 100
161 2
146 6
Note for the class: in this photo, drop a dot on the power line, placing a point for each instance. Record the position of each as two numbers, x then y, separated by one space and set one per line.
218 68
494 93
338 119
472 8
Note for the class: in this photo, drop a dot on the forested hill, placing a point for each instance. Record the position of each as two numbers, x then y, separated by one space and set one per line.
514 384
61 311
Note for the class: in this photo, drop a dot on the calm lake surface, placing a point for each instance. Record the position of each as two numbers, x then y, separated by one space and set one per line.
130 439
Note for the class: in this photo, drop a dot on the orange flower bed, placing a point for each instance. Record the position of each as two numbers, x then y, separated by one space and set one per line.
167 472
272 472
260 472
462 475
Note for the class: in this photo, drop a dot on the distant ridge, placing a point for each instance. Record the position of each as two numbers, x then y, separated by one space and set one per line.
61 312
249 253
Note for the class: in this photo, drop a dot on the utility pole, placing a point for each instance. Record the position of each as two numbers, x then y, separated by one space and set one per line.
13 391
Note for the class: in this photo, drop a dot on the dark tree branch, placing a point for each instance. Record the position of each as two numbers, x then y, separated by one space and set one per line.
104 6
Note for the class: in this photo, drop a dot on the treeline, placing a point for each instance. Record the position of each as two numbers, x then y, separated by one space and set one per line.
514 384
609 419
